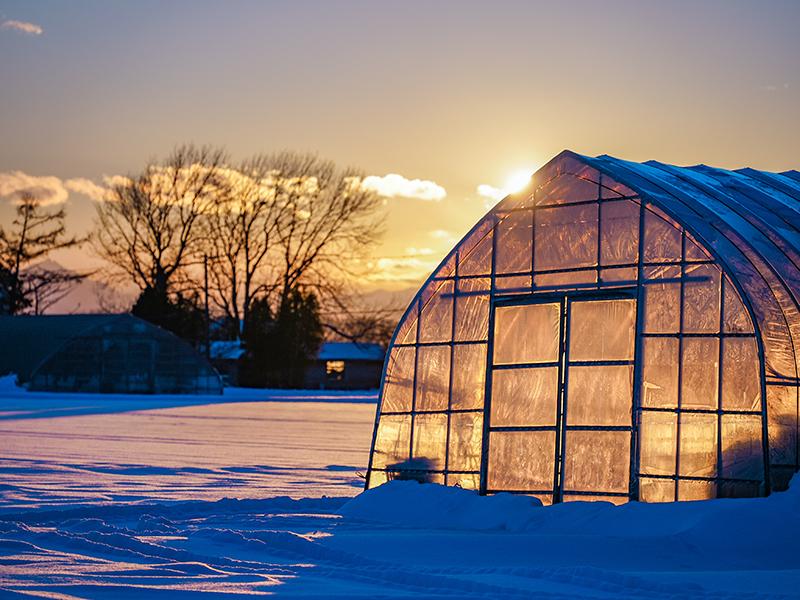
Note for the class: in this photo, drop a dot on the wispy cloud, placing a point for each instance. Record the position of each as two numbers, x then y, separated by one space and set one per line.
396 185
492 193
88 187
443 236
21 27
410 251
409 268
48 190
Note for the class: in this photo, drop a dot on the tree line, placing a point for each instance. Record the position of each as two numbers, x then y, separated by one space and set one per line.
263 251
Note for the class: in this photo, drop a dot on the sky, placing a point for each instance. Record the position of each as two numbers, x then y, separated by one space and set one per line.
450 98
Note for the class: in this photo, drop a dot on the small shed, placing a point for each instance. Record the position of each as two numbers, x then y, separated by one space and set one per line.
346 366
615 331
118 354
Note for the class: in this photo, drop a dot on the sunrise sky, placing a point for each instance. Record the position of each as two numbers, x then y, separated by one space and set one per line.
449 98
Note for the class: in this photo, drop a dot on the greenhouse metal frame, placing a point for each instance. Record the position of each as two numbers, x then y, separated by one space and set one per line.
609 333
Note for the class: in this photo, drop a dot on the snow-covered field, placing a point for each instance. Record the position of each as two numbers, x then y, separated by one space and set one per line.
258 493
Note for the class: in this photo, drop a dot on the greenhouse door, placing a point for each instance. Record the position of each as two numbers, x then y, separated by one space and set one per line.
560 398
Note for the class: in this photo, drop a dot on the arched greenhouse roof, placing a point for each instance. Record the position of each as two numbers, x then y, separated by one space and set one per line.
504 357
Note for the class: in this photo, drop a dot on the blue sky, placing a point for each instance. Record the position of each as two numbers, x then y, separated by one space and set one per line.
459 93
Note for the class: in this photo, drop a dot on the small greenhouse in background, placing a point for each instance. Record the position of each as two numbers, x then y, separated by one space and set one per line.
113 354
616 331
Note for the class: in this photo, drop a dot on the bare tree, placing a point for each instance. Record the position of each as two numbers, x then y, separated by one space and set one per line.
328 222
36 233
44 287
291 221
148 229
239 233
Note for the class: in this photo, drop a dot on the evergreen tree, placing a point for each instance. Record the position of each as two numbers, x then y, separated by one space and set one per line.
280 349
182 316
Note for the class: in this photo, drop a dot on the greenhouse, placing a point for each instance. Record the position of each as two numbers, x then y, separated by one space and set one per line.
117 354
616 331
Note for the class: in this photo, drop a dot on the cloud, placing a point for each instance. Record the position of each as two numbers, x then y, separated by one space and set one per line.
396 185
492 193
419 251
409 268
21 27
440 234
48 190
85 186
112 181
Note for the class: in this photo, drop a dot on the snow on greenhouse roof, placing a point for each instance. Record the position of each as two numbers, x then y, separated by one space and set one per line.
350 351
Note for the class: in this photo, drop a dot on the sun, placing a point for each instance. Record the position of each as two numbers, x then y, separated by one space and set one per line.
518 181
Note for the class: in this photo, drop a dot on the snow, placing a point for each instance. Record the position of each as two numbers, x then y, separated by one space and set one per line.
258 493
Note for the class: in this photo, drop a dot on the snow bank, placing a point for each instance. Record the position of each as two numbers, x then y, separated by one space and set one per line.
416 504
8 383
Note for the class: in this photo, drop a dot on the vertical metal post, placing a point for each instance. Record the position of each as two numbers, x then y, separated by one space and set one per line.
205 309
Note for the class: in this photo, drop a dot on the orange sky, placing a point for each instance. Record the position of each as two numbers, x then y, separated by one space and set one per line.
459 94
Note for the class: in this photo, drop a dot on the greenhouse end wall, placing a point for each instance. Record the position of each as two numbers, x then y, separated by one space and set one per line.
126 356
581 343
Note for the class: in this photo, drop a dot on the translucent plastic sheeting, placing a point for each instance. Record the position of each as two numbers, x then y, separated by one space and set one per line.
660 373
433 378
741 377
521 460
658 439
377 478
656 490
469 377
662 299
782 424
479 261
693 252
597 461
398 389
524 397
407 328
467 481
735 318
528 333
626 276
430 441
701 299
775 311
699 373
574 497
599 395
472 310
513 255
698 445
567 188
602 330
696 490
475 252
566 237
619 232
466 437
517 284
575 280
742 450
392 442
436 321
662 241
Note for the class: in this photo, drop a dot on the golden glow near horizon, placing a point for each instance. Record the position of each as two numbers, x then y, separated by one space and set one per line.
77 109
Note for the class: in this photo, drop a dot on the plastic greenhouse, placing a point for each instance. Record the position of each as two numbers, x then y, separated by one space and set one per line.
616 331
117 354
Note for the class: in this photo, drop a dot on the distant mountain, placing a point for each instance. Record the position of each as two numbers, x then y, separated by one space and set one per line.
86 296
